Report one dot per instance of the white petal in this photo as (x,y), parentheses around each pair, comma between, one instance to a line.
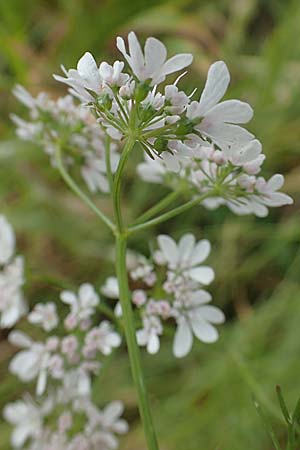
(211,314)
(155,54)
(20,434)
(203,274)
(68,297)
(251,151)
(142,337)
(41,382)
(177,62)
(203,330)
(24,365)
(112,411)
(171,161)
(218,78)
(88,70)
(169,248)
(232,111)
(200,297)
(275,182)
(185,246)
(278,199)
(121,46)
(183,339)
(15,412)
(201,252)
(153,343)
(136,54)
(20,339)
(225,134)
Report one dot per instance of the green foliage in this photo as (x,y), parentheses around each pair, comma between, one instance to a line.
(204,401)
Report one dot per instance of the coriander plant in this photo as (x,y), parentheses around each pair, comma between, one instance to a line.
(194,145)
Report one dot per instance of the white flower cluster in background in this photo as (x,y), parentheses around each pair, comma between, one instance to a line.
(172,289)
(64,365)
(63,123)
(12,303)
(51,423)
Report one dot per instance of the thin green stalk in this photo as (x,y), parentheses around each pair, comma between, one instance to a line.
(133,349)
(76,189)
(162,204)
(117,181)
(125,299)
(168,215)
(108,164)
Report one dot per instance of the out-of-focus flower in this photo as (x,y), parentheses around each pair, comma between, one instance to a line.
(45,315)
(83,305)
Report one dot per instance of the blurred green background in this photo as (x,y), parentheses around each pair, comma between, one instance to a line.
(204,401)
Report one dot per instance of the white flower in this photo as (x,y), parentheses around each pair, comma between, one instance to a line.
(103,425)
(219,119)
(187,257)
(26,418)
(153,64)
(30,363)
(247,156)
(12,303)
(7,241)
(113,75)
(45,315)
(82,305)
(149,335)
(102,338)
(194,317)
(178,99)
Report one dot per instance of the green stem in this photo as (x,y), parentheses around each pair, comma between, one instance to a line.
(166,201)
(168,215)
(117,181)
(108,164)
(76,189)
(133,349)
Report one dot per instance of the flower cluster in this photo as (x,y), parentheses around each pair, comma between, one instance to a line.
(171,289)
(199,142)
(67,364)
(66,125)
(12,303)
(50,423)
(78,350)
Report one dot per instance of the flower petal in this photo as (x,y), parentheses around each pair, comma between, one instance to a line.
(275,182)
(203,330)
(183,339)
(211,314)
(88,70)
(218,78)
(201,252)
(185,246)
(177,62)
(225,134)
(232,111)
(169,248)
(202,274)
(155,54)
